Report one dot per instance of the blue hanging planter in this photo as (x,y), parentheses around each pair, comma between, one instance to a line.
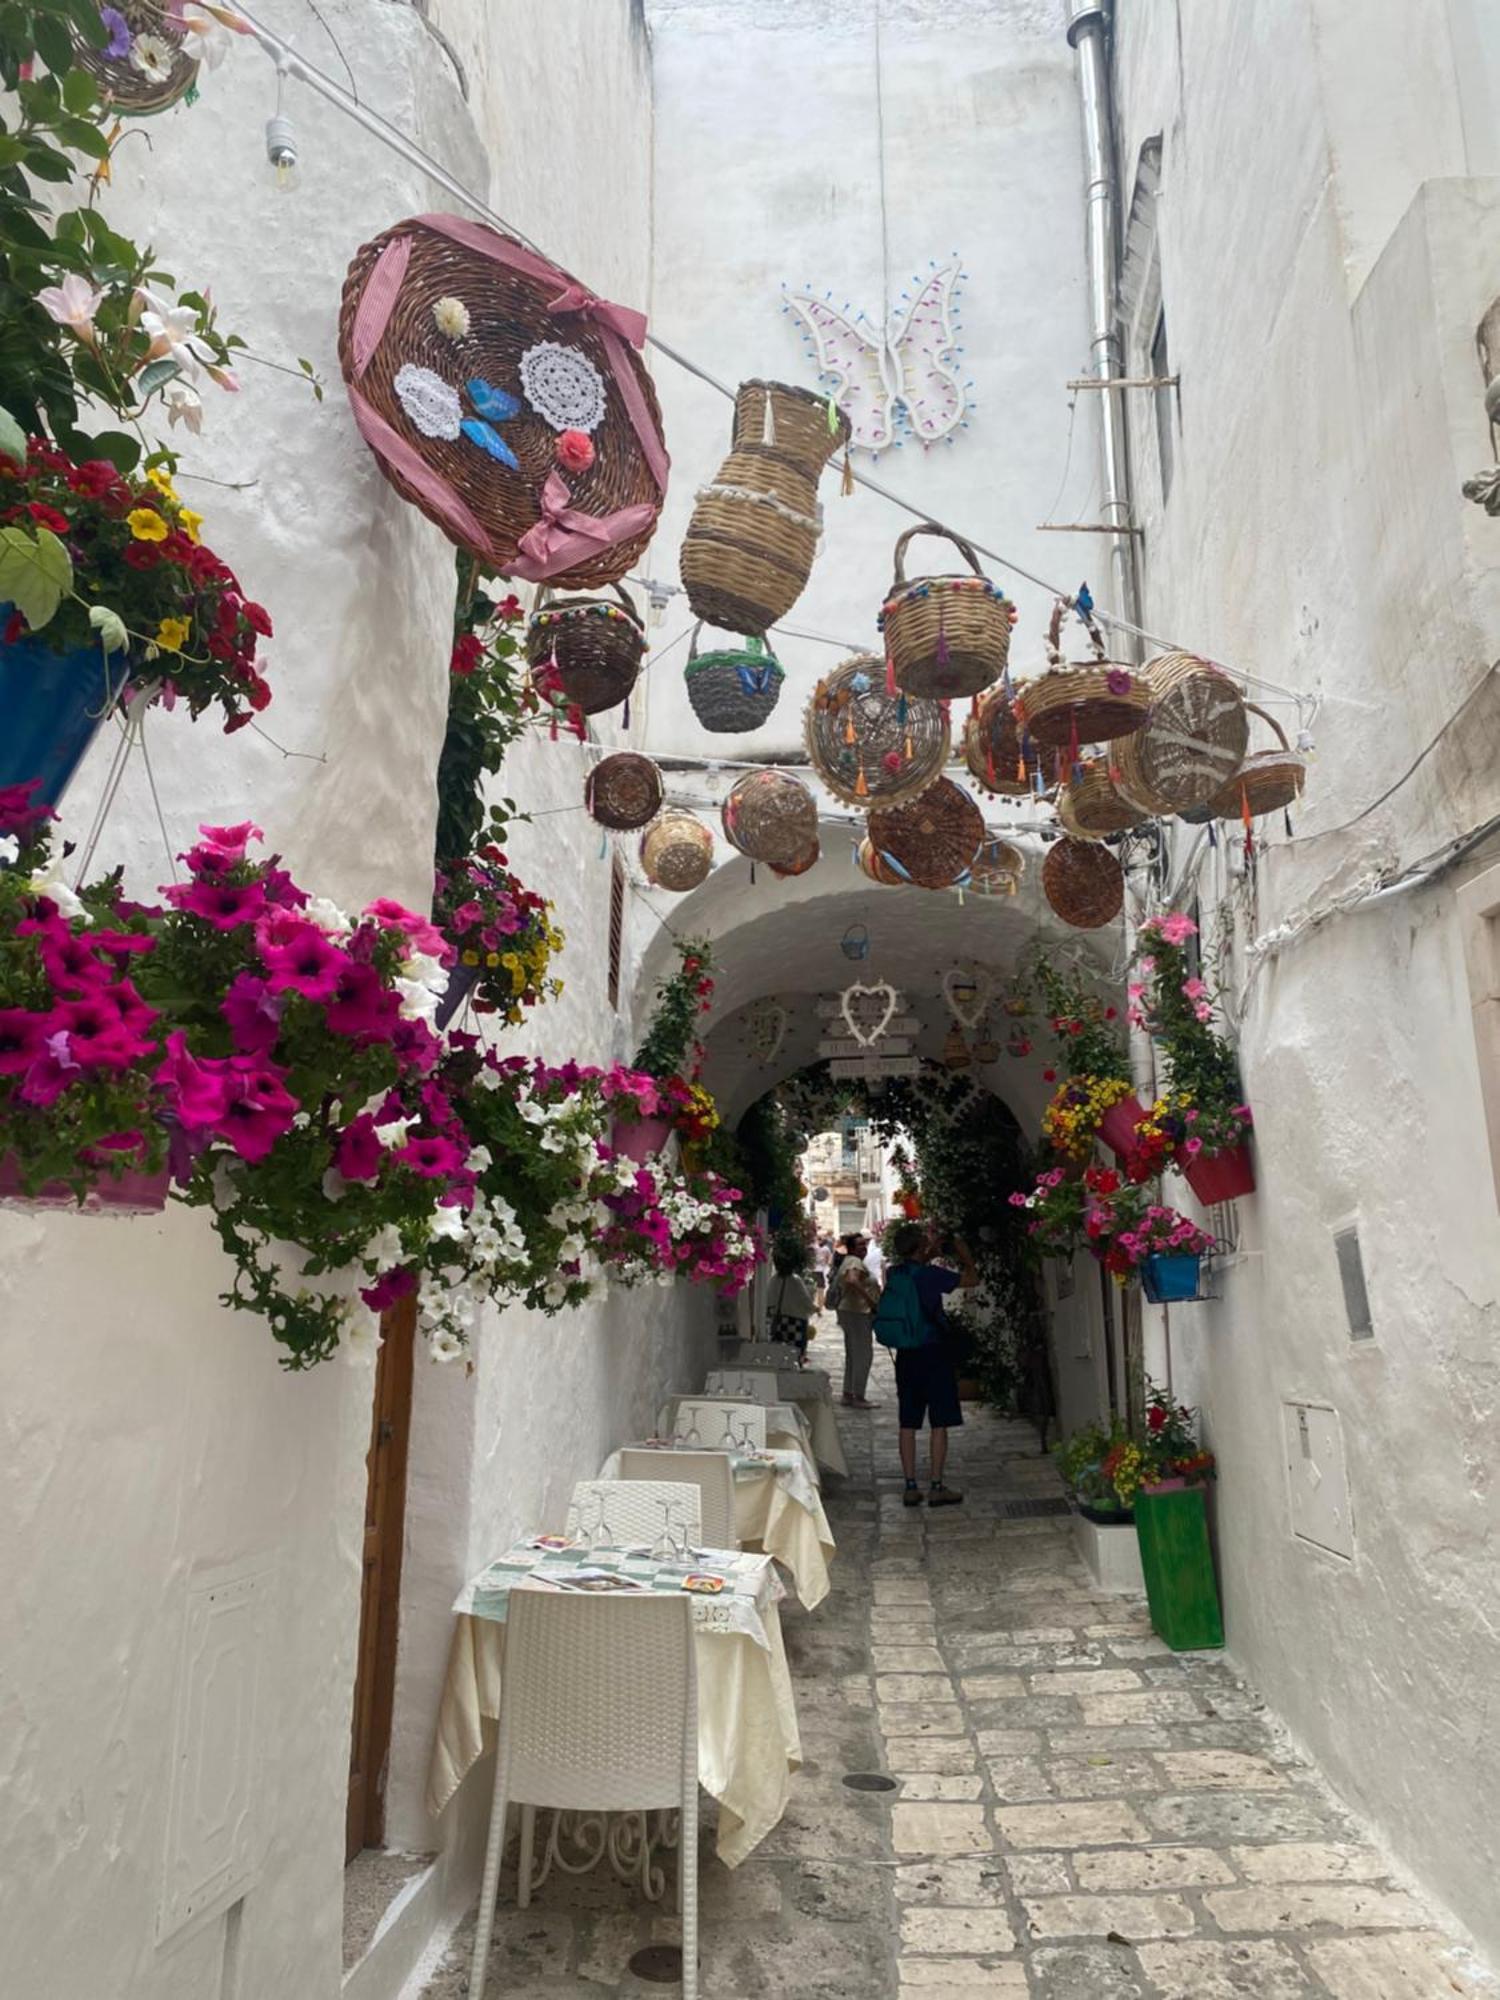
(51,704)
(1170,1280)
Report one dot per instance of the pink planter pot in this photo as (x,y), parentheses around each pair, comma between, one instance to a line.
(639,1138)
(1117,1126)
(1221,1176)
(133,1193)
(1166,1486)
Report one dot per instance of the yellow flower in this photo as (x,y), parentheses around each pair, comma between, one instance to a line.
(162,481)
(190,523)
(171,633)
(146,524)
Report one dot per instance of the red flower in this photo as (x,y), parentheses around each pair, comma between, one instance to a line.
(48,517)
(15,629)
(258,619)
(575,450)
(1155,1418)
(1049,1076)
(468,654)
(143,555)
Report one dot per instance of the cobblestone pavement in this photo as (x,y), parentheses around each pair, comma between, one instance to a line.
(1079,1814)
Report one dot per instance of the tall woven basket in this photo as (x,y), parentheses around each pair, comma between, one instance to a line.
(932,840)
(945,635)
(1268,781)
(998,752)
(1083,883)
(734,689)
(791,422)
(1192,741)
(623,791)
(868,746)
(1091,702)
(677,852)
(1092,805)
(771,817)
(504,400)
(595,647)
(751,541)
(124,85)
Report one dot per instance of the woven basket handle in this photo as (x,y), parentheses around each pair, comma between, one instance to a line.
(539,602)
(625,599)
(1276,729)
(932,528)
(1053,642)
(752,644)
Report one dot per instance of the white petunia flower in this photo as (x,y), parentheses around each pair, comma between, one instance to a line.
(445,1344)
(418,1001)
(393,1133)
(448,1224)
(327,916)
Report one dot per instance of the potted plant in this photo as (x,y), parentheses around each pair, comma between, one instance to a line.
(664,1225)
(1176,1006)
(501,936)
(1103,1526)
(1095,1098)
(668,1050)
(1163,1477)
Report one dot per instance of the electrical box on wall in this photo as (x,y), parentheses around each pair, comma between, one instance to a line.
(1317,1486)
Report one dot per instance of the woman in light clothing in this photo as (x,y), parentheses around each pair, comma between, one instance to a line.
(855,1300)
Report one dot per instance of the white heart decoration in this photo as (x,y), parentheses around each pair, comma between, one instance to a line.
(768,1029)
(868,1010)
(967,995)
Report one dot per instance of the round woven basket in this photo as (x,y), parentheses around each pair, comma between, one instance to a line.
(468,358)
(751,541)
(1267,781)
(596,646)
(877,869)
(794,423)
(932,840)
(1092,806)
(871,747)
(1192,741)
(771,817)
(125,88)
(800,862)
(734,689)
(1083,883)
(945,635)
(623,791)
(998,868)
(677,851)
(1090,702)
(1000,756)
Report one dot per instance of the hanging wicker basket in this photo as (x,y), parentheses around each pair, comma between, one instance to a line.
(623,791)
(596,647)
(1093,702)
(807,857)
(1268,781)
(733,690)
(504,400)
(945,636)
(871,747)
(751,541)
(1092,806)
(772,818)
(139,87)
(998,868)
(932,841)
(877,869)
(677,852)
(1192,741)
(1083,883)
(794,423)
(999,754)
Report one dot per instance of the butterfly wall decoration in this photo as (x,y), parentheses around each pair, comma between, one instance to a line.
(906,378)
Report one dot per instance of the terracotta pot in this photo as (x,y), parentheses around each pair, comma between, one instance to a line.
(132,1193)
(1117,1126)
(639,1138)
(1221,1176)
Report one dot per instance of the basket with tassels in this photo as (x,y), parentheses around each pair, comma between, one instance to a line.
(623,791)
(1192,741)
(998,752)
(997,869)
(801,427)
(1091,805)
(733,689)
(878,869)
(594,647)
(771,817)
(945,636)
(1268,781)
(677,851)
(1083,883)
(931,840)
(871,746)
(1072,704)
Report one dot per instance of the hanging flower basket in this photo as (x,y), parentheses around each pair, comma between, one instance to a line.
(1117,1126)
(595,647)
(1171,1280)
(640,1138)
(932,841)
(1000,756)
(771,817)
(1094,702)
(1268,781)
(133,1192)
(1083,883)
(1192,741)
(1225,1176)
(461,982)
(53,704)
(144,66)
(733,690)
(623,791)
(869,746)
(793,423)
(504,400)
(677,852)
(1092,806)
(945,635)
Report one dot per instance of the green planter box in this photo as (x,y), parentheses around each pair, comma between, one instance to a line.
(1171,1526)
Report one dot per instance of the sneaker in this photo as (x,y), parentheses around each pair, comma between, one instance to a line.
(912,1497)
(859,1403)
(944,1496)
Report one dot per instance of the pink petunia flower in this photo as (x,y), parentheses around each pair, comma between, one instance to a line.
(360,1152)
(23,1039)
(225,905)
(434,1159)
(306,962)
(424,936)
(196,1089)
(253,1013)
(388,1288)
(257,1109)
(361,1007)
(52,1072)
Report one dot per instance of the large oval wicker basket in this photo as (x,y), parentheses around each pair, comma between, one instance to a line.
(751,541)
(771,817)
(999,754)
(998,868)
(1083,883)
(868,746)
(945,636)
(878,869)
(1091,702)
(468,358)
(677,852)
(932,840)
(623,791)
(734,689)
(1267,781)
(1192,741)
(129,86)
(594,646)
(794,423)
(1092,806)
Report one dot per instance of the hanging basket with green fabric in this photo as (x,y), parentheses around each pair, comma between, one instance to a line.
(733,691)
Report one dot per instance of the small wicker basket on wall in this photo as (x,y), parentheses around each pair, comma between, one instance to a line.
(999,754)
(677,852)
(595,646)
(932,840)
(123,86)
(1083,883)
(868,746)
(1192,741)
(1073,704)
(623,791)
(945,636)
(734,689)
(771,817)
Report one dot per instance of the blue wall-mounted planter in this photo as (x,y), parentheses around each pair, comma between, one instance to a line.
(1168,1280)
(50,706)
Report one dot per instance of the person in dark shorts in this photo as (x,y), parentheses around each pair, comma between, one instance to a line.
(926,1384)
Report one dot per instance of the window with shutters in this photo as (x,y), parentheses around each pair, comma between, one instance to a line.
(616,928)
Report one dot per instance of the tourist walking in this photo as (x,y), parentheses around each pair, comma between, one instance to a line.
(822,1270)
(790,1307)
(913,1321)
(855,1296)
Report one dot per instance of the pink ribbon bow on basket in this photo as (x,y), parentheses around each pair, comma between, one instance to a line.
(623,320)
(564,536)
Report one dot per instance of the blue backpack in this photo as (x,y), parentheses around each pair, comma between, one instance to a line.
(899,1319)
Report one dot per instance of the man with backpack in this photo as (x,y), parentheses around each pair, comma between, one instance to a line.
(911,1320)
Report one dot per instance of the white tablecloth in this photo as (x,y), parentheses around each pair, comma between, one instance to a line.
(747,1722)
(787,1426)
(809,1388)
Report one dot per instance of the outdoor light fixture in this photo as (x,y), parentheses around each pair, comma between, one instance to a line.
(281,140)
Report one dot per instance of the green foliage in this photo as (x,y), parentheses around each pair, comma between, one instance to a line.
(671,1037)
(1177,1009)
(35,570)
(1089,1042)
(488,707)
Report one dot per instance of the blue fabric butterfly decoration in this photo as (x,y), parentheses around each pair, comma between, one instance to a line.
(497,405)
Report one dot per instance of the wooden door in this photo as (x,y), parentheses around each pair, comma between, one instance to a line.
(380,1593)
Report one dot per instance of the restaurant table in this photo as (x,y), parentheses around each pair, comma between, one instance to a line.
(747,1721)
(808,1390)
(787,1426)
(776,1506)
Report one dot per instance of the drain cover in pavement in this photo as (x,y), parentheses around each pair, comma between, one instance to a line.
(1027,1510)
(660,1963)
(869,1781)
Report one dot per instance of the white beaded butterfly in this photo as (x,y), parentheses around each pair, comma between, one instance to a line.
(907,374)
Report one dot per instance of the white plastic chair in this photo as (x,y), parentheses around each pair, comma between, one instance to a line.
(628,1510)
(720,1426)
(598,1713)
(710,1472)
